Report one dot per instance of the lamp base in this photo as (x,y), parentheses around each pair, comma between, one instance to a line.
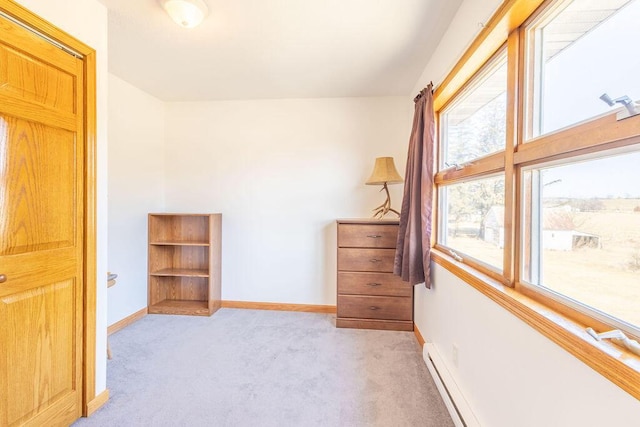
(380,211)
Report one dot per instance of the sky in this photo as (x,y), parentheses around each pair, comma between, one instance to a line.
(609,177)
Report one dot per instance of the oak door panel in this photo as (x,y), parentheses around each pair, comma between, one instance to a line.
(46,314)
(39,171)
(41,230)
(33,80)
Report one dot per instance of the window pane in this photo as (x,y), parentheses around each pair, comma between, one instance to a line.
(586,50)
(472,222)
(475,124)
(582,238)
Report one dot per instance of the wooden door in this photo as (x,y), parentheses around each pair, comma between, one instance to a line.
(41,230)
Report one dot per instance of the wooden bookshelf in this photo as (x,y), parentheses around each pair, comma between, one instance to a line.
(184,263)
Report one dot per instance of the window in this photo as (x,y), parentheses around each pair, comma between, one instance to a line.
(475,124)
(538,175)
(471,197)
(579,230)
(582,235)
(473,219)
(578,54)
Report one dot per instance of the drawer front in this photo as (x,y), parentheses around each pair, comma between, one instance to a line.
(367,235)
(385,284)
(375,307)
(352,259)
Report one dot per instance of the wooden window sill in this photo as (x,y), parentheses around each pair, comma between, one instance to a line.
(613,362)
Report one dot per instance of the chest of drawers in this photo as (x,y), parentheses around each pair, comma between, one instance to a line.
(369,295)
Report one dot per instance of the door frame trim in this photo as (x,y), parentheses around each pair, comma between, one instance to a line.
(49,30)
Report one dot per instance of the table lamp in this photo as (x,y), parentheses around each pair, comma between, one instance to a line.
(384,172)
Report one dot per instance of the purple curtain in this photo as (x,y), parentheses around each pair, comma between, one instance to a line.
(413,248)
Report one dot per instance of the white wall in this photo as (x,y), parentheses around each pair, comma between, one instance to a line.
(510,374)
(466,24)
(136,188)
(87,21)
(281,172)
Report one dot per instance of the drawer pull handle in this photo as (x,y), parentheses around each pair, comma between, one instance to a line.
(373,307)
(374,284)
(374,236)
(374,260)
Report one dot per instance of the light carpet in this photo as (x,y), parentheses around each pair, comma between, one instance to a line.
(265,368)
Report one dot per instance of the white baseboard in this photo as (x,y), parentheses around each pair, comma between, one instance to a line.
(459,409)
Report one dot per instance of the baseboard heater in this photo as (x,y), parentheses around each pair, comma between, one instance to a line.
(459,409)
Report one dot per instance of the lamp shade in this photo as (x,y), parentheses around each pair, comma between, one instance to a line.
(186,13)
(384,171)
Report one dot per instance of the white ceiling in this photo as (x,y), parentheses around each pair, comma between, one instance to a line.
(249,49)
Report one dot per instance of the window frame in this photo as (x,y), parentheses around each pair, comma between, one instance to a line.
(577,309)
(486,268)
(483,162)
(478,168)
(555,317)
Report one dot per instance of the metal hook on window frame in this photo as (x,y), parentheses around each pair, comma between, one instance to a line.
(455,255)
(617,336)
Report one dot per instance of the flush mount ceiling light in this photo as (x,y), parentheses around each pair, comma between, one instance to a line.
(186,13)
